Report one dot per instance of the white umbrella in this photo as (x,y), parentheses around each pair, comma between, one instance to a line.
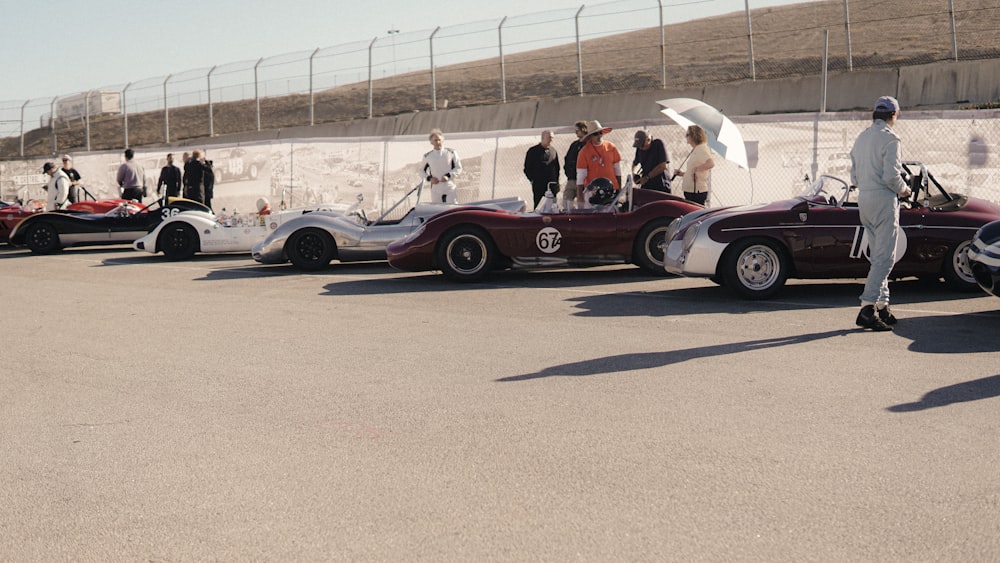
(723,136)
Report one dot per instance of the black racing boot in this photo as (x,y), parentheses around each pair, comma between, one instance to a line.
(886,316)
(868,319)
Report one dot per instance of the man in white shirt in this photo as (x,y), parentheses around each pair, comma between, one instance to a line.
(57,188)
(440,167)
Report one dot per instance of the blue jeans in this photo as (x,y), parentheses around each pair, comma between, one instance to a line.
(879,210)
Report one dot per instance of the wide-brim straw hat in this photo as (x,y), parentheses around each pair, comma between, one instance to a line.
(595,127)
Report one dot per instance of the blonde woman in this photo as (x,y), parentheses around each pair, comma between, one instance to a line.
(698,172)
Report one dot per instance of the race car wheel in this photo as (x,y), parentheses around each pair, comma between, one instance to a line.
(650,246)
(957,269)
(311,249)
(466,254)
(179,241)
(755,268)
(42,238)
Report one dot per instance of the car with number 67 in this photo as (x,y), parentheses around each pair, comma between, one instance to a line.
(466,245)
(754,249)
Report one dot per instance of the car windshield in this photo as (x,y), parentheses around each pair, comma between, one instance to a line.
(826,190)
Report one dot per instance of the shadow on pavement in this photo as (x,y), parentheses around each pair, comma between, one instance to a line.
(985,388)
(629,362)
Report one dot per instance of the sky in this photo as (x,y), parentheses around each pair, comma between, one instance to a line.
(60,47)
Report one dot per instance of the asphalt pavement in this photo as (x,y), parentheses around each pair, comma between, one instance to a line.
(217,409)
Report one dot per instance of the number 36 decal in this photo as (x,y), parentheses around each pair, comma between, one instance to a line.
(548,240)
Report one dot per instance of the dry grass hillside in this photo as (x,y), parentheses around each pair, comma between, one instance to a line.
(787,41)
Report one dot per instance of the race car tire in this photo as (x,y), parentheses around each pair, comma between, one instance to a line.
(755,268)
(650,246)
(311,249)
(466,254)
(42,238)
(179,241)
(958,270)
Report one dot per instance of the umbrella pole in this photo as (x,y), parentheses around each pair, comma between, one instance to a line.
(682,164)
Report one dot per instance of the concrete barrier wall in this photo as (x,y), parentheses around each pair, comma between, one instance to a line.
(942,85)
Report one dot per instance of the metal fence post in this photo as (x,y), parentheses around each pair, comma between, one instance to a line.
(211,124)
(125,113)
(826,62)
(503,77)
(166,111)
(312,101)
(579,52)
(52,124)
(954,37)
(370,85)
(256,90)
(847,34)
(753,71)
(434,104)
(25,104)
(663,48)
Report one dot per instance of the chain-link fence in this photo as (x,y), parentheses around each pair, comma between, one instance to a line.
(619,46)
(961,148)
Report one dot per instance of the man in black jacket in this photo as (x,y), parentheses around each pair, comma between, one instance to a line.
(569,165)
(541,166)
(170,178)
(194,173)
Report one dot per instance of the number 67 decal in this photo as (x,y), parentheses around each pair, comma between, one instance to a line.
(548,240)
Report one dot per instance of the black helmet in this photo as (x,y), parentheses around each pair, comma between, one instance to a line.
(600,191)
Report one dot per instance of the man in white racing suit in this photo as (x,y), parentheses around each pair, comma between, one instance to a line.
(440,167)
(57,188)
(875,170)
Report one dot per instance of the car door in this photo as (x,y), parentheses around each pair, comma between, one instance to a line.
(831,244)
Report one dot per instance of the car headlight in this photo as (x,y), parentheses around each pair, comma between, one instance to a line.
(691,235)
(672,230)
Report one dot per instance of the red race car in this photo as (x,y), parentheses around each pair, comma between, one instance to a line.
(467,244)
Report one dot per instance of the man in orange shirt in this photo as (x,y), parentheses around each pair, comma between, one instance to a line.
(597,159)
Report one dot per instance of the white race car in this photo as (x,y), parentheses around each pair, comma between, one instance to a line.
(182,235)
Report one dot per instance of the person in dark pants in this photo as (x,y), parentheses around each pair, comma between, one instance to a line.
(131,178)
(170,179)
(208,180)
(650,163)
(194,175)
(541,167)
(74,179)
(569,165)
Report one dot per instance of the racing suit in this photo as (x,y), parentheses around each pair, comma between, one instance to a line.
(444,165)
(57,190)
(875,170)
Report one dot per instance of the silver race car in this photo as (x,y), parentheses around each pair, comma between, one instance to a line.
(311,241)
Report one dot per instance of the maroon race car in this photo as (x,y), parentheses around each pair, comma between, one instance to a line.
(467,244)
(753,249)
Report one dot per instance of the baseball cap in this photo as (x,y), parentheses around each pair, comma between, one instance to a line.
(640,138)
(47,166)
(67,157)
(887,104)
